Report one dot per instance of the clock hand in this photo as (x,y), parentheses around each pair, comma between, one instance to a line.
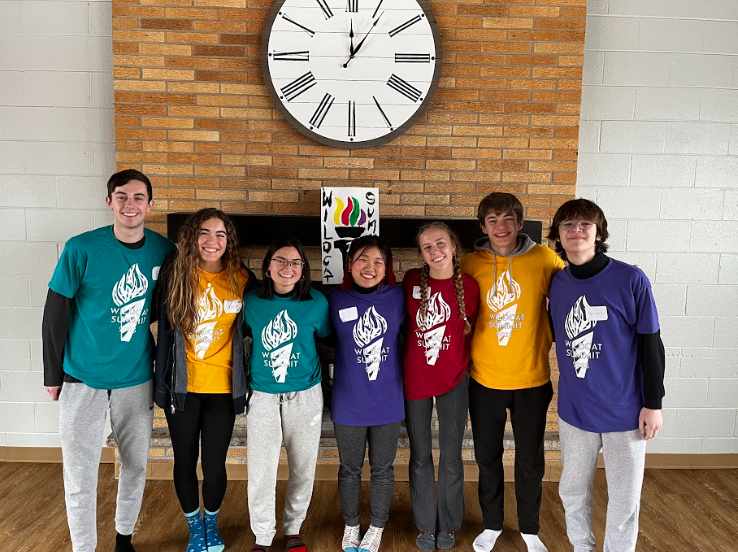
(356,50)
(367,34)
(351,36)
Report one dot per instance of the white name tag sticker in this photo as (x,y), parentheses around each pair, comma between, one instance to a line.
(416,292)
(155,273)
(232,306)
(349,314)
(597,314)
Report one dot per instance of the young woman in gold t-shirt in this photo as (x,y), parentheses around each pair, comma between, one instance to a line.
(201,382)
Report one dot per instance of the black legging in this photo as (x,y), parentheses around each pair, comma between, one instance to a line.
(210,418)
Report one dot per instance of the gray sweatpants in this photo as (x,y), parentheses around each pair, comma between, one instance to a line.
(296,418)
(82,412)
(625,457)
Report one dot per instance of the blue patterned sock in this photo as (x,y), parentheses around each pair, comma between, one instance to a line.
(197,532)
(213,538)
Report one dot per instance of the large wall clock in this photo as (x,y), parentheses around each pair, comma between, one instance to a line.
(351,73)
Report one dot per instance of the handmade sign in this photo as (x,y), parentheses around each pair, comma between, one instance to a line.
(347,213)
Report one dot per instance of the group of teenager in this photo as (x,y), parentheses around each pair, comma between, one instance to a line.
(470,335)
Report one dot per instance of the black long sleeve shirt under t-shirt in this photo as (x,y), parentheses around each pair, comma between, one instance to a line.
(55,329)
(650,346)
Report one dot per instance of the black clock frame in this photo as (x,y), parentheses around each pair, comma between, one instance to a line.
(297,125)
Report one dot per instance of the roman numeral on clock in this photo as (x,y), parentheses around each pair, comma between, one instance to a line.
(352,6)
(303,27)
(292,56)
(323,107)
(409,23)
(326,8)
(384,115)
(404,88)
(412,58)
(351,119)
(299,86)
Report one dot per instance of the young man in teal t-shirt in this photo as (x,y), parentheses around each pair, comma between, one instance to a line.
(98,355)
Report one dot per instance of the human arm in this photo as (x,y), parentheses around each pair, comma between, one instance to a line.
(652,358)
(54,331)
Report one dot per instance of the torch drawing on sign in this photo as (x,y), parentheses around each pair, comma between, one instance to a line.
(279,331)
(437,312)
(371,326)
(209,308)
(133,284)
(502,294)
(349,220)
(576,323)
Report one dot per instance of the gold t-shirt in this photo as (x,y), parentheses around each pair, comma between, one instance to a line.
(512,337)
(210,348)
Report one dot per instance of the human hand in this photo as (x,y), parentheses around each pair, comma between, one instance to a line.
(650,423)
(54,392)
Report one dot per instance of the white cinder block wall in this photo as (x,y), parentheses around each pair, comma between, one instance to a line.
(56,152)
(659,152)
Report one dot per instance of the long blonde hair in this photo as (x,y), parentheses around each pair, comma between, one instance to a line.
(458,280)
(185,277)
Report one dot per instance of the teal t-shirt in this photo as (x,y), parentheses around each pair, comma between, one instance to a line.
(284,358)
(109,345)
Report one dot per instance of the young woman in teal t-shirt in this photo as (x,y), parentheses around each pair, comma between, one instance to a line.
(285,316)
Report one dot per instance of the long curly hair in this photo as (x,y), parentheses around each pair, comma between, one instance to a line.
(458,280)
(185,277)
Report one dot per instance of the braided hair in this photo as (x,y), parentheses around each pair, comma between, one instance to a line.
(458,280)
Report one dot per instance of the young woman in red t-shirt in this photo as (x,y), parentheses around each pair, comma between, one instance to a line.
(442,304)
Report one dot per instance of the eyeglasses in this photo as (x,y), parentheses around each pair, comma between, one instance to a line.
(284,263)
(583,225)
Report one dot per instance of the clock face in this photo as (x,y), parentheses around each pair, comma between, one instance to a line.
(351,73)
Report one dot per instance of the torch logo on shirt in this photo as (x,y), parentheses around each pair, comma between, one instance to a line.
(209,309)
(277,339)
(581,349)
(503,317)
(132,285)
(437,313)
(369,333)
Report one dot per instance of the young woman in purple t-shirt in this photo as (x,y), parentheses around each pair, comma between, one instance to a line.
(367,405)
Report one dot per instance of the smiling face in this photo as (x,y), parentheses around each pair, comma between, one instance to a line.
(579,239)
(284,270)
(368,267)
(438,252)
(130,205)
(502,230)
(211,245)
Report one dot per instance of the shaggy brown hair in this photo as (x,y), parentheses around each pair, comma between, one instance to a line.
(499,203)
(579,209)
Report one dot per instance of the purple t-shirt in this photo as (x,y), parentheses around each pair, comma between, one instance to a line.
(596,321)
(367,372)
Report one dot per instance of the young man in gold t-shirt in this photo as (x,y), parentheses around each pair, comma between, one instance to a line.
(509,368)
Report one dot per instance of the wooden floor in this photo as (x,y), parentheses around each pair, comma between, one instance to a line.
(682,511)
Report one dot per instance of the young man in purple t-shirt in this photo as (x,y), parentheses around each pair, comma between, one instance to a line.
(611,375)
